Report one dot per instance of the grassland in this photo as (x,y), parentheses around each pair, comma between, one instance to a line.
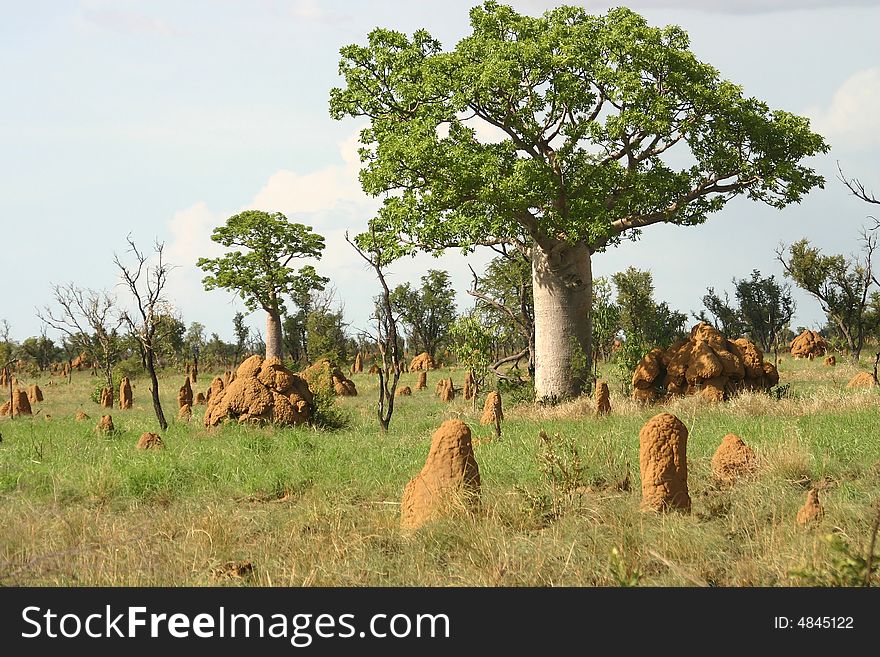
(308,507)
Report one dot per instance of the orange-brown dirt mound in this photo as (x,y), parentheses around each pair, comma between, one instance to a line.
(831,360)
(149,441)
(468,385)
(447,390)
(185,394)
(732,459)
(20,403)
(707,364)
(862,380)
(449,480)
(358,366)
(105,426)
(808,344)
(185,413)
(423,381)
(812,510)
(374,369)
(80,416)
(263,391)
(405,391)
(125,394)
(217,386)
(106,398)
(492,408)
(663,464)
(422,362)
(603,398)
(200,399)
(34,394)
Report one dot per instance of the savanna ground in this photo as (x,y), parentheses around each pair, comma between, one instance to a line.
(309,507)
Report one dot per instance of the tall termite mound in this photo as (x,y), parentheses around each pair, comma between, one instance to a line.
(663,464)
(449,480)
(603,398)
(185,395)
(125,401)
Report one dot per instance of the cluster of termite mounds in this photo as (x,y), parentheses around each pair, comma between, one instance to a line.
(809,344)
(449,482)
(705,364)
(261,391)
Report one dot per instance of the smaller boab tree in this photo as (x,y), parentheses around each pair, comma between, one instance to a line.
(386,335)
(261,275)
(147,284)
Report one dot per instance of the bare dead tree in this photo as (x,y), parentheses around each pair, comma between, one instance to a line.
(89,319)
(386,338)
(856,187)
(147,284)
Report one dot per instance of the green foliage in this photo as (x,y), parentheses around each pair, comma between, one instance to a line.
(427,312)
(606,321)
(326,413)
(131,367)
(471,343)
(724,316)
(844,567)
(642,319)
(506,303)
(325,331)
(241,333)
(645,323)
(841,285)
(516,392)
(622,573)
(260,274)
(609,92)
(39,349)
(169,337)
(766,307)
(95,395)
(562,475)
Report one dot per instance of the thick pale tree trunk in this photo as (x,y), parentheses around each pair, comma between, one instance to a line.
(562,283)
(273,335)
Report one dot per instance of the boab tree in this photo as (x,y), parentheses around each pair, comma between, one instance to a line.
(261,275)
(593,114)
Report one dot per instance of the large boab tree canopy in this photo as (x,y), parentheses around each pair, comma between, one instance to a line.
(606,125)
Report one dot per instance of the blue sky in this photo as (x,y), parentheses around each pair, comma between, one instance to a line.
(161,119)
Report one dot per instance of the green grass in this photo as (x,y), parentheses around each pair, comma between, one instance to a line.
(310,507)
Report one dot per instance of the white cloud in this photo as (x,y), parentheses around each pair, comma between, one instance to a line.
(293,193)
(852,120)
(125,22)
